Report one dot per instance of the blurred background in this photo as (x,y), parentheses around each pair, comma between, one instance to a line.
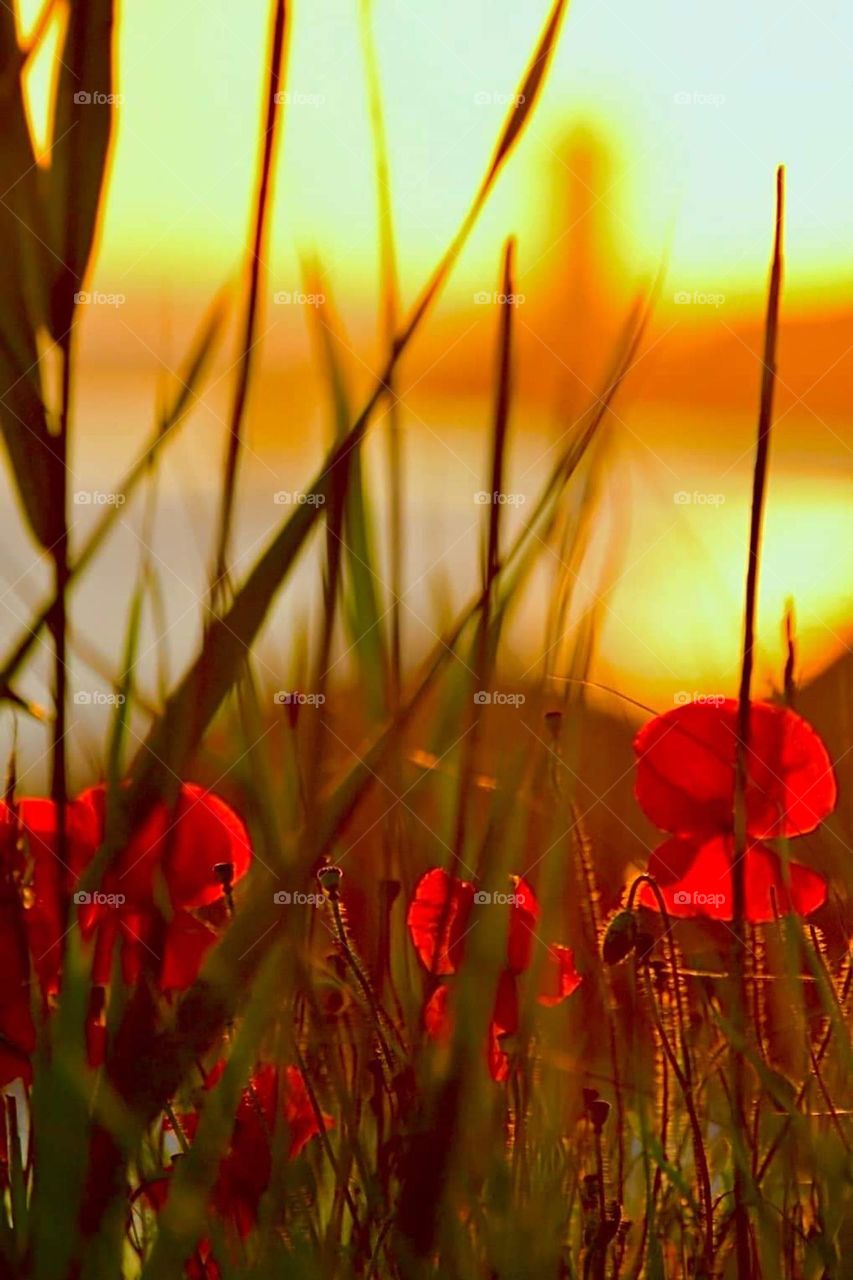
(655,141)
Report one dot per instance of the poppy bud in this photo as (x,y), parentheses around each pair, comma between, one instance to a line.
(598,1113)
(224,872)
(620,937)
(330,879)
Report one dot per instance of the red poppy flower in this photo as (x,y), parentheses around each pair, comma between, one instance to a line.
(33,904)
(695,878)
(185,944)
(202,832)
(245,1170)
(439,919)
(686,785)
(31,856)
(183,843)
(36,890)
(17,1032)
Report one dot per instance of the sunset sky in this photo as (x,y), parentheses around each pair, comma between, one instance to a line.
(695,112)
(700,108)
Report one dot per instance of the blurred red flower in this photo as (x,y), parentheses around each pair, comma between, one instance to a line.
(245,1170)
(685,783)
(182,843)
(176,849)
(438,919)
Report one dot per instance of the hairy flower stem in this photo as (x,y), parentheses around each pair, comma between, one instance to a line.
(321,1131)
(600,1248)
(363,982)
(594,922)
(683,1074)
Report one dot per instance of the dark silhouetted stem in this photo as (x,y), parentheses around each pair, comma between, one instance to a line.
(238,408)
(759,485)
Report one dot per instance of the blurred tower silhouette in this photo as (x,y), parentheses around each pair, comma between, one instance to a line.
(581,269)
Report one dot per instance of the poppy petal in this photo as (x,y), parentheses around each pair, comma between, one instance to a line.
(505,1014)
(686,770)
(185,843)
(438,918)
(523,918)
(695,880)
(498,1060)
(438,1022)
(559,978)
(17,1032)
(188,941)
(36,857)
(207,832)
(299,1112)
